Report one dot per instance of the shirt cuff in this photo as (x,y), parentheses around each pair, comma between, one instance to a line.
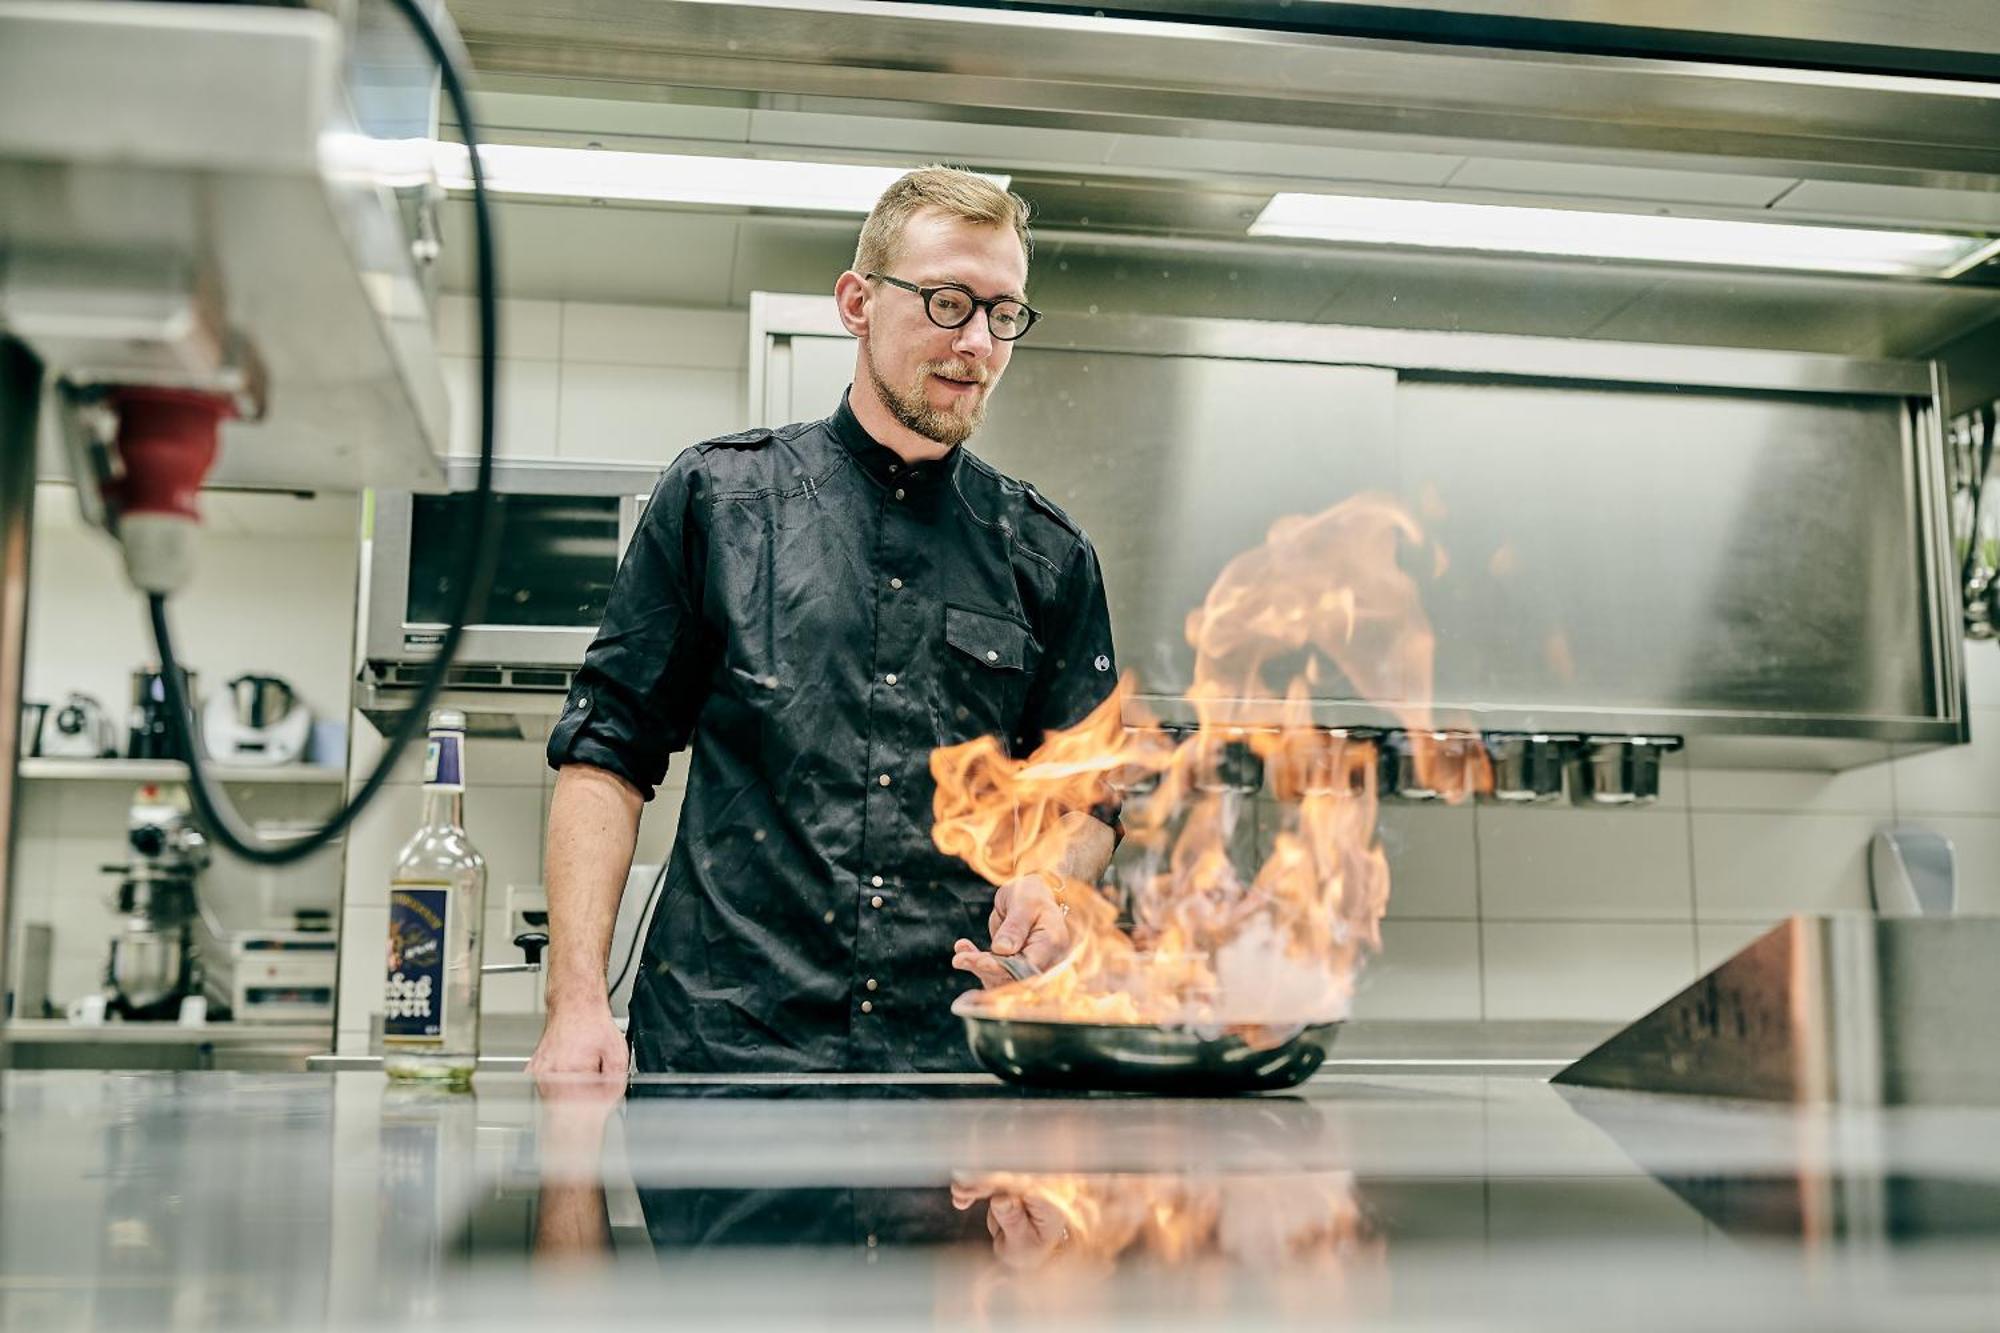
(597,729)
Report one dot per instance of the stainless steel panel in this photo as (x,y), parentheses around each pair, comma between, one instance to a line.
(1628,558)
(1847,1008)
(1639,548)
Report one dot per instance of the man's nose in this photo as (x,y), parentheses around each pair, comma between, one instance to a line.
(974,338)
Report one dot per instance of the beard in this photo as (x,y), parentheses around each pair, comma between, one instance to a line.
(949,426)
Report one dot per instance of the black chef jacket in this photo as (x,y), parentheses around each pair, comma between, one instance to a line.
(815,616)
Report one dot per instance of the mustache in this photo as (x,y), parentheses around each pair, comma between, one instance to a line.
(958,370)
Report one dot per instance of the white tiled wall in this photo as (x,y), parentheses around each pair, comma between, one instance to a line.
(1433,862)
(1428,969)
(1582,969)
(1754,866)
(600,382)
(1556,864)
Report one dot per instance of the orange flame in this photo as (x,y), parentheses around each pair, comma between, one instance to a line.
(1210,945)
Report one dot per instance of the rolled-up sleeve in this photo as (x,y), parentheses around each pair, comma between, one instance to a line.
(1079,667)
(635,701)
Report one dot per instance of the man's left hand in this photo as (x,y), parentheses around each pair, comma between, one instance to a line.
(1027,922)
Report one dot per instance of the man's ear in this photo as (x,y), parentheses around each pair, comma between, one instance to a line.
(850,295)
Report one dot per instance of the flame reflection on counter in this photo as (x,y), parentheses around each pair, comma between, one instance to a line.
(1055,1235)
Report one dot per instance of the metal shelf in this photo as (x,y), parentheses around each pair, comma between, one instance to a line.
(173,770)
(38,1031)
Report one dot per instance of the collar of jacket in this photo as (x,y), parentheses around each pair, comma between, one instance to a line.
(882,463)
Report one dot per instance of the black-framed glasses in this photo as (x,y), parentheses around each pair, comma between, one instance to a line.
(950,307)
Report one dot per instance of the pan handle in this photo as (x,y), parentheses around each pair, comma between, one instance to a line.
(1017,967)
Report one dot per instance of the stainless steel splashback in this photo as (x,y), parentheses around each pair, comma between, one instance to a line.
(1742,548)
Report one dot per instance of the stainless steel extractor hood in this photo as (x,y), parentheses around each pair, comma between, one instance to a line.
(1683,99)
(1150,137)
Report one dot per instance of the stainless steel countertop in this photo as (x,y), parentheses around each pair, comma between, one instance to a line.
(223,1201)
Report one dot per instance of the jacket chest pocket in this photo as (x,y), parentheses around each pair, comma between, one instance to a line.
(988,661)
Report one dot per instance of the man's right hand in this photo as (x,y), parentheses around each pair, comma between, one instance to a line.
(581,1041)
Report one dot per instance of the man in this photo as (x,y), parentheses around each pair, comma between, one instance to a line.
(815,609)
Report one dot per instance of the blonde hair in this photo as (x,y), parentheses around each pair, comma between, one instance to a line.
(960,194)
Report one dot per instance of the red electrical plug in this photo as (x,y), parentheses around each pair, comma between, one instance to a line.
(166,443)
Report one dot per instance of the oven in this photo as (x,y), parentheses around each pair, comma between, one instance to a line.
(564,528)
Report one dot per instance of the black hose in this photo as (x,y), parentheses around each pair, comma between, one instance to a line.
(639,930)
(218,817)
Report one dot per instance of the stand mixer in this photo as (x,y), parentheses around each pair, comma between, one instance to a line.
(153,964)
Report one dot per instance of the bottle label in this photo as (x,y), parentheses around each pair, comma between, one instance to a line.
(413,1012)
(444,761)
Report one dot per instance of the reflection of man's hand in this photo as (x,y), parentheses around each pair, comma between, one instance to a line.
(1027,1228)
(572,1225)
(577,1101)
(597,1091)
(1027,922)
(573,1111)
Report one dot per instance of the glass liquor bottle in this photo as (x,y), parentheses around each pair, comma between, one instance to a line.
(437,897)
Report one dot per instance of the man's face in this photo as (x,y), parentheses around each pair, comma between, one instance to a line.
(936,381)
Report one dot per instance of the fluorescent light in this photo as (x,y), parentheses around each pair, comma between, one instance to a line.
(730,182)
(1427,224)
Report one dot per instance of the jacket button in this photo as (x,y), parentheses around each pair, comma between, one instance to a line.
(876,901)
(882,781)
(992,656)
(895,583)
